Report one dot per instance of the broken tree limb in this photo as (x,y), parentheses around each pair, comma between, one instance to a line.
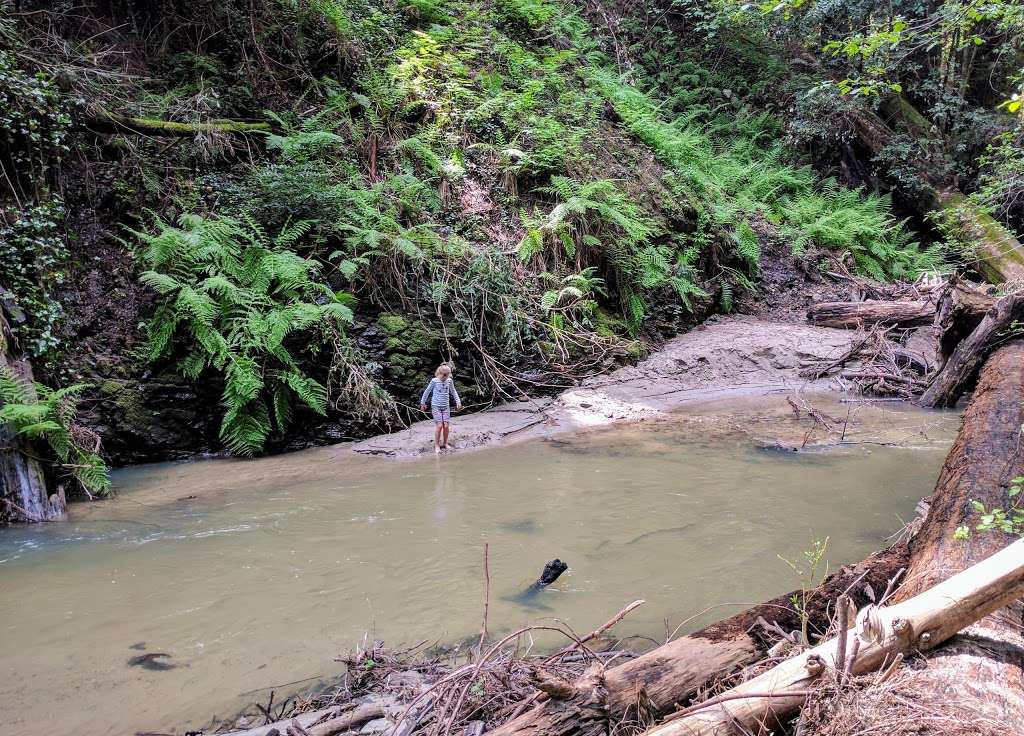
(111,122)
(917,624)
(872,312)
(960,307)
(949,384)
(652,684)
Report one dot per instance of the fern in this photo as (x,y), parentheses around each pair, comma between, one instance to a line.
(49,414)
(232,298)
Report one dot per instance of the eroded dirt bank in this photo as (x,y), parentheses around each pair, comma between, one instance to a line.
(726,356)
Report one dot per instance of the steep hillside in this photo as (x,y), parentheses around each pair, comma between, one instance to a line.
(250,226)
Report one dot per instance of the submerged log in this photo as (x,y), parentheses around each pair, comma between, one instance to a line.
(917,624)
(949,384)
(651,685)
(872,312)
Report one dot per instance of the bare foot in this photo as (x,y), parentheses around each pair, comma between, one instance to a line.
(437,450)
(447,448)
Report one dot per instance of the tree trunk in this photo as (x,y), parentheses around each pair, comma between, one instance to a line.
(872,312)
(984,662)
(23,493)
(651,685)
(949,384)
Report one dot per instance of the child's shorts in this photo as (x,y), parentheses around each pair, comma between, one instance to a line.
(441,415)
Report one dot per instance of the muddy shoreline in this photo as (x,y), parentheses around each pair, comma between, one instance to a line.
(725,357)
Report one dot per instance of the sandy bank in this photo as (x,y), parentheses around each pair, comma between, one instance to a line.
(726,356)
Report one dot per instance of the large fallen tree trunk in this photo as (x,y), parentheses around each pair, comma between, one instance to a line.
(983,663)
(943,594)
(872,312)
(949,384)
(651,685)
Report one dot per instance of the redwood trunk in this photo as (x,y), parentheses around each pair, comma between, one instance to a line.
(983,664)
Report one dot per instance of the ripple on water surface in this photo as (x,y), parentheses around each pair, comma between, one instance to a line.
(203,581)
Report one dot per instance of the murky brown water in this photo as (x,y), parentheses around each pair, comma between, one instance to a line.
(253,574)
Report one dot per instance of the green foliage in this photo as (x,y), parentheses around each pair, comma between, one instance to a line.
(739,178)
(34,122)
(47,414)
(526,15)
(1008,519)
(33,259)
(1001,185)
(236,301)
(813,569)
(861,226)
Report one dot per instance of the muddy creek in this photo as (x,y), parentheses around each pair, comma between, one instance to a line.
(203,585)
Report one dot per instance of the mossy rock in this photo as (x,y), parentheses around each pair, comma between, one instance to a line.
(392,324)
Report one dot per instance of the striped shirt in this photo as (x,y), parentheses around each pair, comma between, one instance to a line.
(440,393)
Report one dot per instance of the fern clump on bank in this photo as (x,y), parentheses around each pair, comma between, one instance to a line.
(232,298)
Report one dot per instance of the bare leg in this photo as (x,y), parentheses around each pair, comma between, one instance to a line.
(437,436)
(445,432)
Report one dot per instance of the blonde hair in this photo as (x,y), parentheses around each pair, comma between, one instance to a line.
(443,371)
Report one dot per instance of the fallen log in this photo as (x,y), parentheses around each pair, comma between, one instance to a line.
(917,624)
(651,685)
(113,123)
(949,384)
(960,307)
(984,662)
(872,312)
(997,254)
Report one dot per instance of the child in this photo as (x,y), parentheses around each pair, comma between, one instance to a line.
(441,390)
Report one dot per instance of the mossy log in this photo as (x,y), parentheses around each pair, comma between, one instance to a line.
(997,254)
(116,123)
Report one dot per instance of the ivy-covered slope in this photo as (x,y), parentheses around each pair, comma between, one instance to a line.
(500,184)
